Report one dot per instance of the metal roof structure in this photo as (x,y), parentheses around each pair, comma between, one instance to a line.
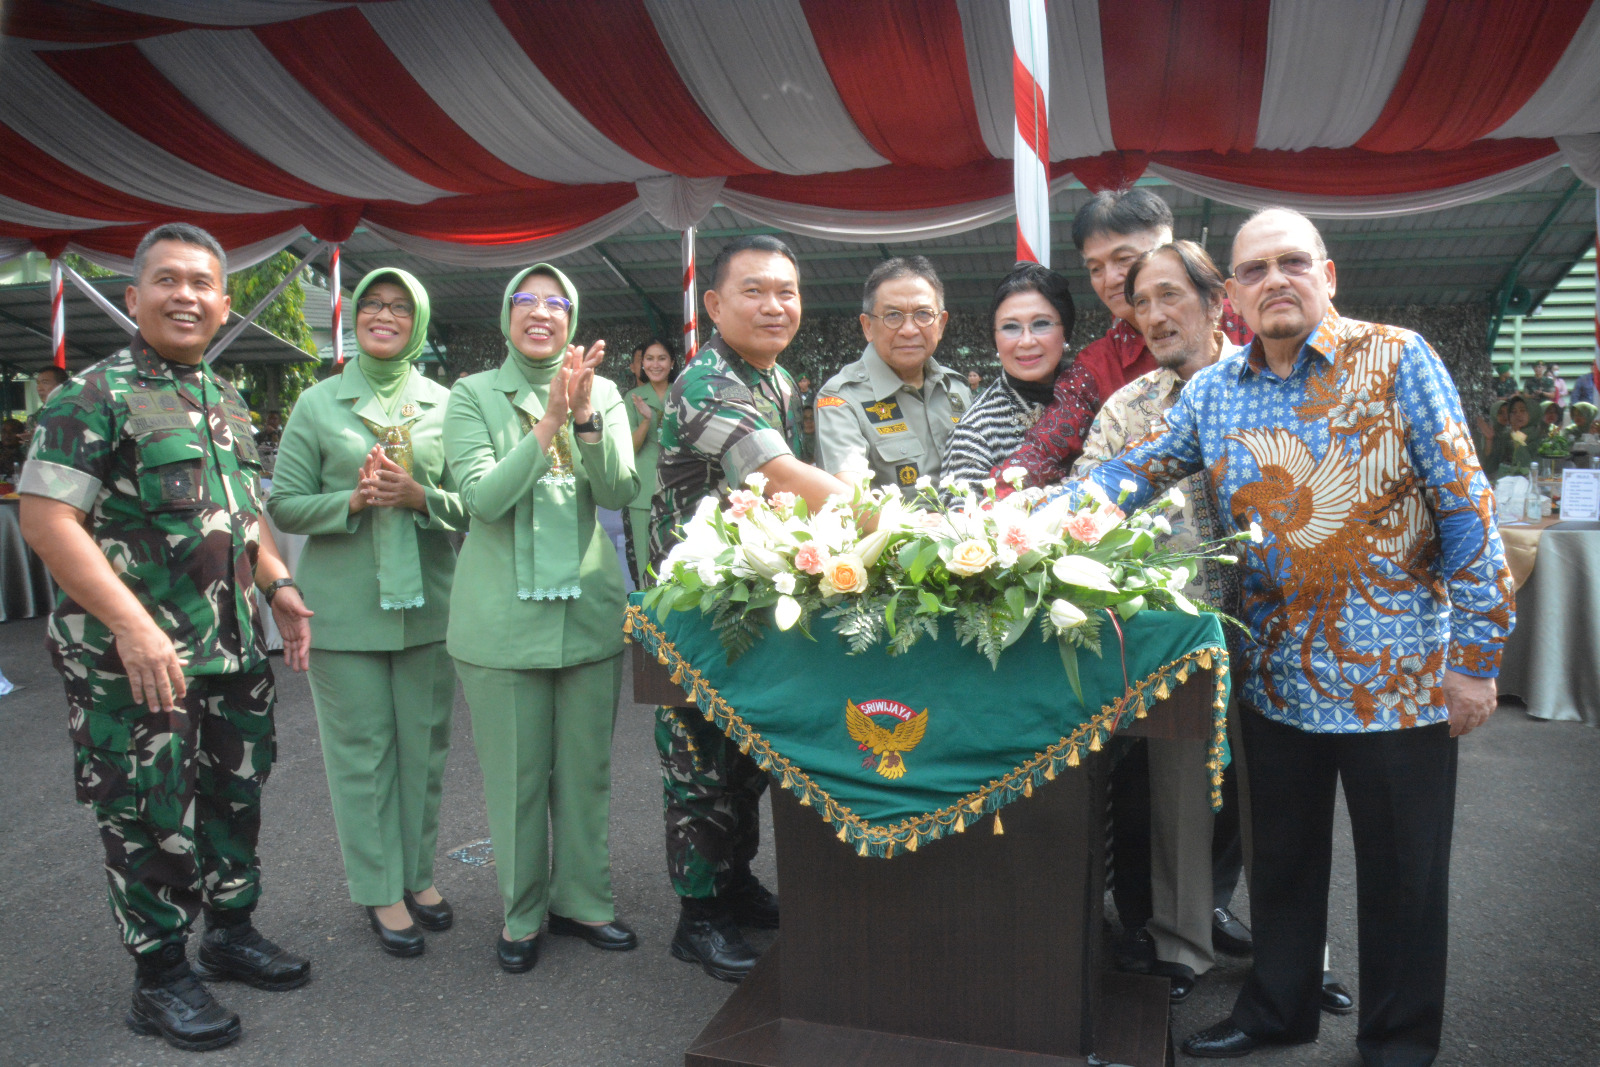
(92,335)
(1515,247)
(1561,330)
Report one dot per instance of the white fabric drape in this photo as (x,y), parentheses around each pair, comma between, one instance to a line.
(238,258)
(868,227)
(1361,207)
(1330,69)
(1583,156)
(986,32)
(1080,117)
(679,203)
(41,106)
(499,97)
(12,247)
(755,71)
(515,255)
(28,215)
(231,77)
(1569,99)
(231,13)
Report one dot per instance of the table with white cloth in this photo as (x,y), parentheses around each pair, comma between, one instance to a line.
(1552,660)
(25,586)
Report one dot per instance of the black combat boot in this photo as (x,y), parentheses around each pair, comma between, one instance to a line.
(169,1000)
(233,950)
(748,902)
(707,935)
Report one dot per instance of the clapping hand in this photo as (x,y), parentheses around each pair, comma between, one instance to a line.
(580,364)
(387,485)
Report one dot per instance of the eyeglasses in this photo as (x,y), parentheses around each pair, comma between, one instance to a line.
(1013,331)
(557,305)
(923,317)
(400,309)
(1294,264)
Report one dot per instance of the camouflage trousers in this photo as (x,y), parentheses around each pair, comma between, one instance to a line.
(711,794)
(177,797)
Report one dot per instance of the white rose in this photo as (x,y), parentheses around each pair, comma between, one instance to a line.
(707,569)
(757,481)
(1064,615)
(924,482)
(784,583)
(1014,476)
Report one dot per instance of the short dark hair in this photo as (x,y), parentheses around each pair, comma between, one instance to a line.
(901,267)
(1121,211)
(1034,278)
(54,371)
(1197,264)
(672,375)
(183,233)
(750,242)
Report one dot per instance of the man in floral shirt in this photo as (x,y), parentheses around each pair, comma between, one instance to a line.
(1377,600)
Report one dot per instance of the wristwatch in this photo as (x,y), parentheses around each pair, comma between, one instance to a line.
(593,425)
(272,590)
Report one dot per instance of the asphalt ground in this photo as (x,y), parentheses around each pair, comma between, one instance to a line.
(1523,969)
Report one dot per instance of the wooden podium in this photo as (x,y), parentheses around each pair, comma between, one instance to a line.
(979,950)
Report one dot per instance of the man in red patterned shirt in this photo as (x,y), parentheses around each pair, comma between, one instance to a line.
(1110,231)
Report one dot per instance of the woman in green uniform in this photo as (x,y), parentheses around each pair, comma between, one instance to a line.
(645,404)
(536,633)
(361,470)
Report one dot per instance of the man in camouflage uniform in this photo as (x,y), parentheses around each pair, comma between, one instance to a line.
(142,494)
(732,412)
(892,410)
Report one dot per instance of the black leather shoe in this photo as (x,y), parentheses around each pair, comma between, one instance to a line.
(403,943)
(170,1001)
(517,957)
(1135,951)
(241,954)
(749,903)
(612,936)
(1181,976)
(1229,935)
(1220,1042)
(716,945)
(440,916)
(1335,999)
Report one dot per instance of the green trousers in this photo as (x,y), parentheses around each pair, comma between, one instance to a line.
(544,743)
(638,543)
(385,724)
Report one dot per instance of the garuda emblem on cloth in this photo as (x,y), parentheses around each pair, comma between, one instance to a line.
(888,745)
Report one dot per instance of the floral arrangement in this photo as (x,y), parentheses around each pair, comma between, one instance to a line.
(1555,444)
(888,570)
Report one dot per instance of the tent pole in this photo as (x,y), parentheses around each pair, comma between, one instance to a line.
(58,316)
(691,339)
(337,296)
(100,301)
(1030,156)
(261,305)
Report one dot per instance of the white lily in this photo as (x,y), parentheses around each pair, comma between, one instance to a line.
(786,612)
(1175,497)
(869,548)
(1064,615)
(763,561)
(1255,533)
(1084,573)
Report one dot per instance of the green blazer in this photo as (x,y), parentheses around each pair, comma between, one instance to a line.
(319,464)
(644,460)
(496,464)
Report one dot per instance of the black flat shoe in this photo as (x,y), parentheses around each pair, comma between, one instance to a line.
(611,936)
(1181,976)
(407,942)
(517,957)
(1230,936)
(440,916)
(1335,999)
(241,954)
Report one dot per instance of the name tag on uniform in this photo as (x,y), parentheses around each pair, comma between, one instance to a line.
(894,427)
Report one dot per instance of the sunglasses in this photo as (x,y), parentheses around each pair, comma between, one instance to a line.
(1296,264)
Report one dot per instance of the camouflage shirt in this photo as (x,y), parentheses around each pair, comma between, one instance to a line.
(162,459)
(724,419)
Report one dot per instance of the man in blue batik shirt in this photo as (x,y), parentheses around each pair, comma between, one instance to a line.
(1377,600)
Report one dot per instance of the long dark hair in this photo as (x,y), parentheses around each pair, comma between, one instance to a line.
(672,375)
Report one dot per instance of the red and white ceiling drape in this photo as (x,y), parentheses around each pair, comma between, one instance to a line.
(470,132)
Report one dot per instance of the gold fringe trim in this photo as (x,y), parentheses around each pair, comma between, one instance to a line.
(909,834)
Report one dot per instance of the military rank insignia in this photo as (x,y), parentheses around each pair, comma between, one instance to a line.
(883,410)
(885,744)
(906,474)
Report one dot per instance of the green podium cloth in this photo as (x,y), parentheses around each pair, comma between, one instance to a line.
(897,751)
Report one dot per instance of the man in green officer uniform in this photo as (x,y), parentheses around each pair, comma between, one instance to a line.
(892,410)
(731,413)
(142,494)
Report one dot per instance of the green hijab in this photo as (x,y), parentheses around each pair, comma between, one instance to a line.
(547,561)
(394,531)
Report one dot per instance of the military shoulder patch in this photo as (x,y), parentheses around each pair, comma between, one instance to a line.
(830,401)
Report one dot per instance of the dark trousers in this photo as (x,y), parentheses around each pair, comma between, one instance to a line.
(1400,789)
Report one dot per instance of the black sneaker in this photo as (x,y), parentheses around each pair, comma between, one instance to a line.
(241,954)
(749,903)
(716,945)
(170,1001)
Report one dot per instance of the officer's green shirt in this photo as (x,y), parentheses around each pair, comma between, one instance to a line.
(867,417)
(644,459)
(319,464)
(724,419)
(161,457)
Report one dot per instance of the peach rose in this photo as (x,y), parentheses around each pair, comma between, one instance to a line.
(970,557)
(808,557)
(843,574)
